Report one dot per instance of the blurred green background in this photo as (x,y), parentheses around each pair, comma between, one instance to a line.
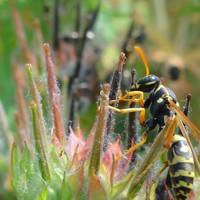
(172,30)
(172,41)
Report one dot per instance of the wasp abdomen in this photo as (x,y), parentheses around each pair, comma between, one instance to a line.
(181,168)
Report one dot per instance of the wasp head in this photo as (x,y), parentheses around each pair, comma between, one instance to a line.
(147,83)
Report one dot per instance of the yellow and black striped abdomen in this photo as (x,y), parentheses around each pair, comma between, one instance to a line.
(181,168)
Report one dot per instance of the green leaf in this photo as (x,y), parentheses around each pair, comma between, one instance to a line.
(25,179)
(122,185)
(39,145)
(43,195)
(15,165)
(72,187)
(99,134)
(37,99)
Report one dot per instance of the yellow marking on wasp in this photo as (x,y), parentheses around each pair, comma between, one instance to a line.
(160,100)
(160,86)
(178,138)
(182,184)
(181,192)
(166,94)
(166,91)
(180,159)
(183,173)
(150,83)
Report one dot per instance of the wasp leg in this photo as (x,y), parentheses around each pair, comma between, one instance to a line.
(142,117)
(140,98)
(128,110)
(150,124)
(134,93)
(126,100)
(161,123)
(128,97)
(136,146)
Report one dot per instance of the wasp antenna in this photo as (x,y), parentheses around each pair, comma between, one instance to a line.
(143,58)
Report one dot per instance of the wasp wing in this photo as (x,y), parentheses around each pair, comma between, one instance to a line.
(185,134)
(185,120)
(170,133)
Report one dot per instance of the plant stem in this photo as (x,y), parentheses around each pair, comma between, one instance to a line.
(37,99)
(127,39)
(80,46)
(115,87)
(99,134)
(132,122)
(21,35)
(39,146)
(21,115)
(54,95)
(56,25)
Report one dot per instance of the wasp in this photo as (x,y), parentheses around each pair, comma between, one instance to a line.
(181,171)
(163,105)
(159,94)
(181,168)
